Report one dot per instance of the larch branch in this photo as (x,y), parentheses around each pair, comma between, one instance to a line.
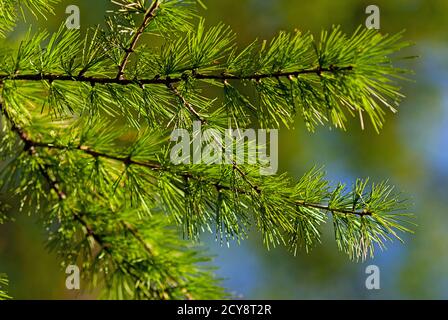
(149,16)
(170,80)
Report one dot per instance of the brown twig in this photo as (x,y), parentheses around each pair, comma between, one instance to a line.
(149,15)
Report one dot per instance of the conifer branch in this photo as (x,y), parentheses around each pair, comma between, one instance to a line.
(185,103)
(171,80)
(149,15)
(362,213)
(30,147)
(254,187)
(123,197)
(192,110)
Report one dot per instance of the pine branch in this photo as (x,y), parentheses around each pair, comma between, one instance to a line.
(170,80)
(149,15)
(294,71)
(260,195)
(192,110)
(328,208)
(185,103)
(30,147)
(114,193)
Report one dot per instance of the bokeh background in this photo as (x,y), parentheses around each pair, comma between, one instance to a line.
(411,151)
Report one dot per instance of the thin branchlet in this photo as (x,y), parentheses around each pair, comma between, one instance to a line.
(149,15)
